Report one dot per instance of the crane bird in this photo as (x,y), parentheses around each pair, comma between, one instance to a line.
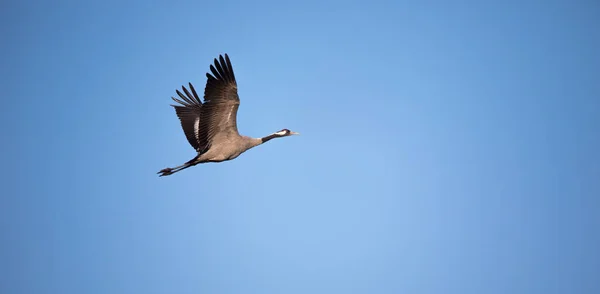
(211,127)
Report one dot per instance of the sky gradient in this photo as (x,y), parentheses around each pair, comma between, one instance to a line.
(444,148)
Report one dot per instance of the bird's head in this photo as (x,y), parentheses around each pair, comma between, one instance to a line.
(285,133)
(280,134)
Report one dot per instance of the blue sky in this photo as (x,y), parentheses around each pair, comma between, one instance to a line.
(445,148)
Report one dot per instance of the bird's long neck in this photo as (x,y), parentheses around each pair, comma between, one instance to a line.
(253,142)
(269,137)
(257,141)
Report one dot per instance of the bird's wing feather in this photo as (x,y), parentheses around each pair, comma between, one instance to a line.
(218,114)
(189,114)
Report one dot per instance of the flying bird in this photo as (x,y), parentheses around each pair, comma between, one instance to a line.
(211,126)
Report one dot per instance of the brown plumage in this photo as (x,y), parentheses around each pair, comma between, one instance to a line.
(211,127)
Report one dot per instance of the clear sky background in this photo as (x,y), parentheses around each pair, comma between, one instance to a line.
(445,147)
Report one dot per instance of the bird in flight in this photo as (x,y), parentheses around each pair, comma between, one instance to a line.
(211,126)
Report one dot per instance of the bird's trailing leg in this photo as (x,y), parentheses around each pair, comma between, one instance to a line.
(171,170)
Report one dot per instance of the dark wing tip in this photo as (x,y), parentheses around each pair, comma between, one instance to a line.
(215,72)
(222,59)
(232,75)
(222,69)
(195,94)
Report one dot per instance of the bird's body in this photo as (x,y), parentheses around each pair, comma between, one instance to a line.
(211,127)
(229,148)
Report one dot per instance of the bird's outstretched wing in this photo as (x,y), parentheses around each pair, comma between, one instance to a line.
(189,114)
(218,115)
(201,122)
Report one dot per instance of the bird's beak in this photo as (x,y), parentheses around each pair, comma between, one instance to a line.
(294,133)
